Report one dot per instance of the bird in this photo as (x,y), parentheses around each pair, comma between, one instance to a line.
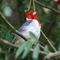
(32,24)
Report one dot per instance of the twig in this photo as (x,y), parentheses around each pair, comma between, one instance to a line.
(41,46)
(28,7)
(49,55)
(15,46)
(42,31)
(34,5)
(8,43)
(44,34)
(48,41)
(12,28)
(48,7)
(41,52)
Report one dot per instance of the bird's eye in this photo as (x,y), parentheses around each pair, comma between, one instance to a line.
(30,14)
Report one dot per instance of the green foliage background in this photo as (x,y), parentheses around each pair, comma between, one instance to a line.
(50,22)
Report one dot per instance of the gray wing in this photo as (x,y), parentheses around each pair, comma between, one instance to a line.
(21,29)
(16,37)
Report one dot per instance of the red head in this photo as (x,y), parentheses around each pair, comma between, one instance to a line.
(31,16)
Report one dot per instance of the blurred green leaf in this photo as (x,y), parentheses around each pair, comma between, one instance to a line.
(33,36)
(9,36)
(44,20)
(59,47)
(28,47)
(54,36)
(3,26)
(50,22)
(20,49)
(46,48)
(36,52)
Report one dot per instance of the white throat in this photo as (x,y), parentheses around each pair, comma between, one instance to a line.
(28,19)
(34,21)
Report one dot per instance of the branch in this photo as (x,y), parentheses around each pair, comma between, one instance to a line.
(15,31)
(12,28)
(49,55)
(8,43)
(18,33)
(48,7)
(15,46)
(41,30)
(44,34)
(48,41)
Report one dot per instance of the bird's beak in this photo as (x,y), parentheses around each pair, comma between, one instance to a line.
(34,13)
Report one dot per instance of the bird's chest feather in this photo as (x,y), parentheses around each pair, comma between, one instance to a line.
(25,29)
(31,27)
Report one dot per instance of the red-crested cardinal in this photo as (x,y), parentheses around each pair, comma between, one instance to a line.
(32,24)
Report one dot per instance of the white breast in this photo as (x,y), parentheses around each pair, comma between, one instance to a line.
(32,27)
(28,27)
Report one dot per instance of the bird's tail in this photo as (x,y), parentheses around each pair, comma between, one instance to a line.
(10,53)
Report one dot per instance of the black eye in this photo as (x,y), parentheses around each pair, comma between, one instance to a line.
(30,14)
